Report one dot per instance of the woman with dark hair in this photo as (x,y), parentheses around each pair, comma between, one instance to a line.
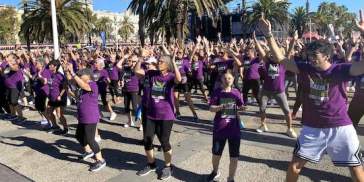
(88,115)
(160,112)
(57,98)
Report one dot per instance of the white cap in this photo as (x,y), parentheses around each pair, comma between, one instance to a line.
(151,60)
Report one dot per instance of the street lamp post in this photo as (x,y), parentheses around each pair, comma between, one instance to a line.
(54,29)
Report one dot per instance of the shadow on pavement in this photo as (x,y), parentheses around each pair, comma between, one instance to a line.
(49,149)
(313,174)
(122,160)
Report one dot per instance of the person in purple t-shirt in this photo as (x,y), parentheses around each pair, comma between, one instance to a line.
(102,79)
(327,127)
(41,88)
(273,87)
(88,115)
(225,102)
(197,78)
(13,81)
(130,88)
(4,107)
(251,78)
(184,87)
(57,98)
(160,111)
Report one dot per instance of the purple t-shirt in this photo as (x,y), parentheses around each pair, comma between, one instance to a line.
(161,101)
(56,84)
(324,95)
(222,66)
(88,106)
(101,76)
(197,69)
(274,77)
(113,71)
(226,122)
(251,69)
(131,81)
(14,79)
(184,67)
(41,88)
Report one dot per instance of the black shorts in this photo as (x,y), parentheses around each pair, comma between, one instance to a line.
(40,102)
(182,88)
(12,96)
(114,88)
(218,145)
(55,104)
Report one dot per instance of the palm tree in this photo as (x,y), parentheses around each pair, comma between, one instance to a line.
(71,18)
(151,11)
(274,11)
(299,20)
(103,24)
(126,29)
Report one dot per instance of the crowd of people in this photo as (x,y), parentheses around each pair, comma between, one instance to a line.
(150,80)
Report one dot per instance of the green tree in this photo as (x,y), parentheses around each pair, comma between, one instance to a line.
(71,19)
(274,11)
(103,24)
(150,11)
(331,13)
(9,25)
(126,28)
(299,20)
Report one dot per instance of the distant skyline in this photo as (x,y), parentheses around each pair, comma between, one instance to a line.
(122,5)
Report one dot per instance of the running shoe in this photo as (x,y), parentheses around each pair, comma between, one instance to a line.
(213,176)
(140,128)
(54,130)
(291,133)
(86,155)
(166,173)
(147,169)
(97,166)
(262,128)
(113,116)
(126,126)
(63,132)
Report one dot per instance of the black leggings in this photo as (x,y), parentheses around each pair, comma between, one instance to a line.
(247,86)
(160,128)
(132,97)
(85,134)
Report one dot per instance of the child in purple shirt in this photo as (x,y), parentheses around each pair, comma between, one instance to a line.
(226,102)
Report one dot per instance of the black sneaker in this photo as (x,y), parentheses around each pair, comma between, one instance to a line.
(54,130)
(63,132)
(166,173)
(213,176)
(97,166)
(147,169)
(86,156)
(231,180)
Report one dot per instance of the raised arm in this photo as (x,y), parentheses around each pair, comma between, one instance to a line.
(357,68)
(139,72)
(277,53)
(259,47)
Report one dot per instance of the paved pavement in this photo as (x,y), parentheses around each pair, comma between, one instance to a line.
(27,153)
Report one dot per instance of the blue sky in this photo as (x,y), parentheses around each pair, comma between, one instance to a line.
(120,5)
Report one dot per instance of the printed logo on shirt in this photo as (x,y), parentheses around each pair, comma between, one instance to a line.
(179,64)
(127,76)
(195,66)
(230,108)
(246,64)
(273,71)
(221,67)
(158,91)
(96,76)
(50,83)
(319,90)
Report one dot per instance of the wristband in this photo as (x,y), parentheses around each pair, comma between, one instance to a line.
(269,35)
(73,74)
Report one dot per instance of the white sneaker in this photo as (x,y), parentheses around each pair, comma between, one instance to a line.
(291,133)
(113,116)
(140,128)
(132,124)
(98,139)
(126,126)
(262,128)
